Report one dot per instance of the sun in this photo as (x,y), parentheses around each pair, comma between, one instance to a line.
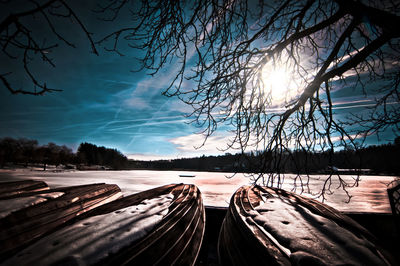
(277,83)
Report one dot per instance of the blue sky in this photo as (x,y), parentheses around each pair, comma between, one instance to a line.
(102,102)
(105,103)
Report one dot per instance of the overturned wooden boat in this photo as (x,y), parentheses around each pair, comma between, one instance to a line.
(8,189)
(394,199)
(29,212)
(164,226)
(275,227)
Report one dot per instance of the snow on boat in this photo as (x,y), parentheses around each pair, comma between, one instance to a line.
(277,227)
(26,215)
(164,226)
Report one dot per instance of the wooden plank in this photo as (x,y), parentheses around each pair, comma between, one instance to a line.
(15,188)
(185,231)
(252,248)
(24,226)
(141,251)
(192,250)
(171,232)
(394,199)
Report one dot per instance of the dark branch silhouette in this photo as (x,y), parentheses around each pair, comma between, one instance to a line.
(222,49)
(226,53)
(21,42)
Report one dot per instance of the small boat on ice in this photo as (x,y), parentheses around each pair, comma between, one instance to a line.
(164,226)
(277,227)
(186,175)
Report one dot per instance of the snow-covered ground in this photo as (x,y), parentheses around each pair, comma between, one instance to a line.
(369,196)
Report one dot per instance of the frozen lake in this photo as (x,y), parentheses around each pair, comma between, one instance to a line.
(369,196)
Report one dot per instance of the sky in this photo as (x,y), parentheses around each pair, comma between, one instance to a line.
(103,102)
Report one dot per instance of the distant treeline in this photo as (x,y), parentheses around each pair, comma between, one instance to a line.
(382,159)
(26,151)
(90,154)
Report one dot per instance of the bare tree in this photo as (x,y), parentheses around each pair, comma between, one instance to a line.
(25,30)
(228,50)
(230,54)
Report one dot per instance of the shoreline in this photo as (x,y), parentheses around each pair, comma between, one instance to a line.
(94,168)
(369,196)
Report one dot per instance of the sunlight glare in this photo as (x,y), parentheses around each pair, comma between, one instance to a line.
(278,84)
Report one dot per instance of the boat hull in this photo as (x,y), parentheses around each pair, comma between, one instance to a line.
(176,240)
(275,227)
(43,211)
(16,188)
(109,234)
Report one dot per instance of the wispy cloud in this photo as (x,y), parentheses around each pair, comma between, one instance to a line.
(152,123)
(150,157)
(192,144)
(352,137)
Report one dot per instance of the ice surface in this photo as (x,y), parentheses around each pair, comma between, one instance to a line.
(11,205)
(312,239)
(216,188)
(92,239)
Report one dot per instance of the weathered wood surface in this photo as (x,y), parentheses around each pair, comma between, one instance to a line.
(16,188)
(394,199)
(244,240)
(176,239)
(23,226)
